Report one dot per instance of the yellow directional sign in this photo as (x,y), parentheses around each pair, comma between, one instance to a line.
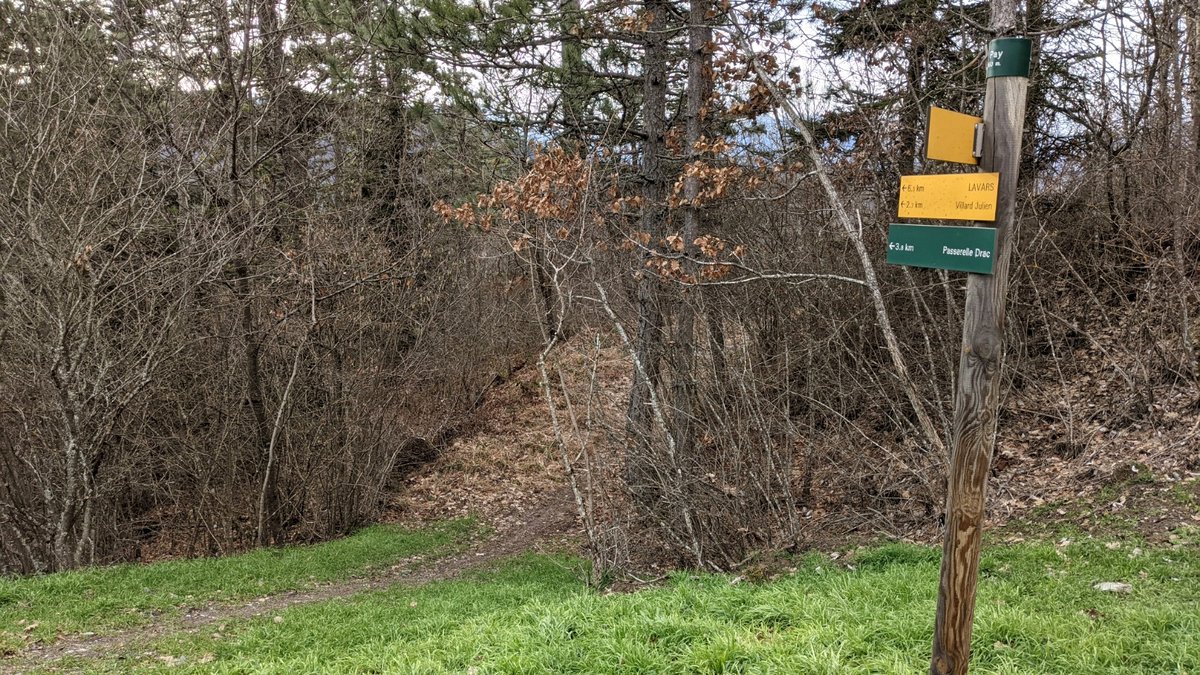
(951,136)
(956,196)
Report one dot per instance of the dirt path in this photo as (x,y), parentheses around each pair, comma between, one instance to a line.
(548,524)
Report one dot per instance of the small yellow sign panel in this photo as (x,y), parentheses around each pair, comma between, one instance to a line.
(951,136)
(956,196)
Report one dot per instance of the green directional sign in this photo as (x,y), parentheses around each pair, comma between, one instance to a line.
(1008,57)
(963,249)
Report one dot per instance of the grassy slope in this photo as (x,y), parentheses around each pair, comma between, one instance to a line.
(114,597)
(1037,613)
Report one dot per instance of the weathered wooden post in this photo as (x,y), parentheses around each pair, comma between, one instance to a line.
(978,387)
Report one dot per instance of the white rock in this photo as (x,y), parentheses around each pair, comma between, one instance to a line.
(1113,587)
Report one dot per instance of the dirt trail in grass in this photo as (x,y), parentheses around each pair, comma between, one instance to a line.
(547,525)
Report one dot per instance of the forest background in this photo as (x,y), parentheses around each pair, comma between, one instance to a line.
(261,259)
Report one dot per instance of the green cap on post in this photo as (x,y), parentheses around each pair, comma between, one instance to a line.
(1008,57)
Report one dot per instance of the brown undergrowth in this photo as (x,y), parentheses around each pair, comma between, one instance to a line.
(1126,469)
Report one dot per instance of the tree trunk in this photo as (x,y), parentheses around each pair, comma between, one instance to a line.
(649,325)
(699,90)
(572,83)
(1185,234)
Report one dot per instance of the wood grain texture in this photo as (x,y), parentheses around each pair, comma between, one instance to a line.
(978,387)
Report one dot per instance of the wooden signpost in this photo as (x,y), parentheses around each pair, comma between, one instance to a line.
(977,391)
(994,143)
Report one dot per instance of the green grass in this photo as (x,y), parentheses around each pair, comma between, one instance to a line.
(1187,493)
(101,599)
(1036,613)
